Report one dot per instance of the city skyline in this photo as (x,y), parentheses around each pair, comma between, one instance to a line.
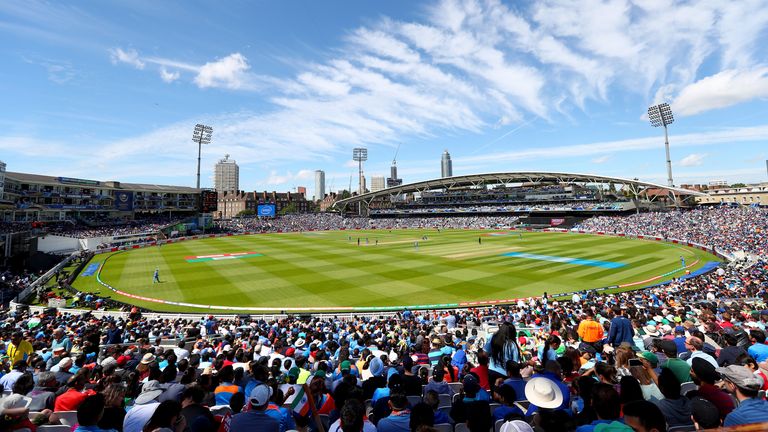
(112,91)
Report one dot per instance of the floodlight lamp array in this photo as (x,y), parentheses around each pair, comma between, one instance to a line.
(660,115)
(202,134)
(359,154)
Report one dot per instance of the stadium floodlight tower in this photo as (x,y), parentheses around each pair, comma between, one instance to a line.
(360,155)
(202,135)
(661,115)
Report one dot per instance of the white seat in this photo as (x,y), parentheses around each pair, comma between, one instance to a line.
(497,425)
(494,407)
(445,399)
(461,427)
(68,418)
(413,400)
(444,427)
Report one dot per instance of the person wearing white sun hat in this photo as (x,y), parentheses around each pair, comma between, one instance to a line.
(543,393)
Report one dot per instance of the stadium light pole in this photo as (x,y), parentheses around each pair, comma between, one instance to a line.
(360,155)
(661,115)
(201,135)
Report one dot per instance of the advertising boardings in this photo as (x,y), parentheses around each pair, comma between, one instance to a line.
(266,210)
(124,200)
(208,201)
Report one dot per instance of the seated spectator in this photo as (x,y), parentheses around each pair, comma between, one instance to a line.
(400,418)
(758,350)
(508,410)
(438,384)
(705,376)
(89,413)
(166,418)
(421,416)
(607,406)
(676,408)
(256,419)
(644,416)
(744,386)
(432,399)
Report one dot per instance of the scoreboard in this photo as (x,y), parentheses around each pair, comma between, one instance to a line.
(208,201)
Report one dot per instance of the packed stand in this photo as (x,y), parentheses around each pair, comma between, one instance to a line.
(730,229)
(332,221)
(669,358)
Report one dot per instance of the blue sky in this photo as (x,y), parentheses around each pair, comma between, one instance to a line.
(112,90)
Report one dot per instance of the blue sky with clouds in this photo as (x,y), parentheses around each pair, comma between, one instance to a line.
(112,90)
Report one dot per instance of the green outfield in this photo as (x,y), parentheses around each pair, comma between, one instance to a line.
(395,268)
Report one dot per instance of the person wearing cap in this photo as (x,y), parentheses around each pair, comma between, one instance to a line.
(705,376)
(680,341)
(470,399)
(14,410)
(62,370)
(744,385)
(256,419)
(679,367)
(438,384)
(731,352)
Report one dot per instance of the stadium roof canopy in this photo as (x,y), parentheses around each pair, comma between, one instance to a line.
(636,188)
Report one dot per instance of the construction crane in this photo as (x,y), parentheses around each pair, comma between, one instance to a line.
(394,159)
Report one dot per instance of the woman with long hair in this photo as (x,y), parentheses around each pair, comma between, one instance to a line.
(549,352)
(501,347)
(647,385)
(114,407)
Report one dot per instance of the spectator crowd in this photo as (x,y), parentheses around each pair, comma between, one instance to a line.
(684,356)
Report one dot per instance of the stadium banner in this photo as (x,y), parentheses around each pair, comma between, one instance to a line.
(556,221)
(266,210)
(124,201)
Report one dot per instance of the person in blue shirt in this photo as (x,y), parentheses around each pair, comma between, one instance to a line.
(621,329)
(400,418)
(744,385)
(507,411)
(607,406)
(156,275)
(515,380)
(758,350)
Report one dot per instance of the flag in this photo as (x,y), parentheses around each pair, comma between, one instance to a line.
(300,404)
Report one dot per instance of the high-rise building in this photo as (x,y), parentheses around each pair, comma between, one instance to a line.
(446,167)
(392,180)
(319,185)
(226,176)
(2,179)
(377,183)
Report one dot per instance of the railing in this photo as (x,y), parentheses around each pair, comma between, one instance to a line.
(42,280)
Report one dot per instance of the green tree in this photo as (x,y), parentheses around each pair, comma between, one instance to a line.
(738,185)
(246,212)
(290,208)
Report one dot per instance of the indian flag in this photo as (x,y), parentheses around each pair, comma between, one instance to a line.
(300,404)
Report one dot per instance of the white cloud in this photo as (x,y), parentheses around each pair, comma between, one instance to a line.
(721,90)
(226,72)
(693,159)
(130,56)
(168,77)
(601,159)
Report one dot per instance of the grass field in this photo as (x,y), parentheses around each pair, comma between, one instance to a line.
(330,270)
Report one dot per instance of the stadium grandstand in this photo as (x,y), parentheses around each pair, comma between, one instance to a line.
(651,356)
